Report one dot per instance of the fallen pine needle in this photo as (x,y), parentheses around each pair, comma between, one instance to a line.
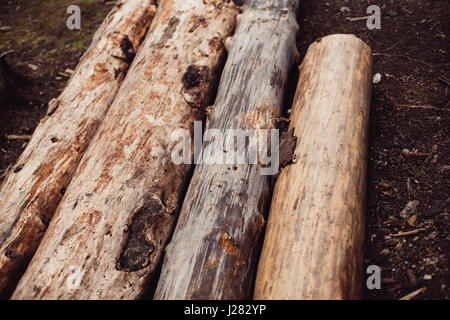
(357,18)
(422,107)
(408,233)
(413,294)
(17,137)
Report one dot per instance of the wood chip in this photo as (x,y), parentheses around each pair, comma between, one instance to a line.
(33,67)
(412,220)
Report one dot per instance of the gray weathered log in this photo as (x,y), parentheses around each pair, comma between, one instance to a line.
(313,248)
(213,253)
(31,193)
(108,234)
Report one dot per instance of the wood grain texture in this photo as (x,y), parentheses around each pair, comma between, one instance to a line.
(32,191)
(109,232)
(313,248)
(213,253)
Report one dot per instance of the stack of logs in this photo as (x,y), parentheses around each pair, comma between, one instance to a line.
(95,205)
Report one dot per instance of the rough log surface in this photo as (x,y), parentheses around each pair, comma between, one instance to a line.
(313,248)
(33,190)
(213,253)
(109,232)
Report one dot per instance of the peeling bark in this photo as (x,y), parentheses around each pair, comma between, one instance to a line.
(109,232)
(313,248)
(213,253)
(32,192)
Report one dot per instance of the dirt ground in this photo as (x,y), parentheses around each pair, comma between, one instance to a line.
(411,54)
(409,128)
(44,48)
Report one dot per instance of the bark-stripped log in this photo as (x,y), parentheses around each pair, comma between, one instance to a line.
(313,247)
(109,232)
(215,247)
(32,192)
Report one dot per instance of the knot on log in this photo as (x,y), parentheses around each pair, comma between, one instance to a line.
(128,52)
(197,86)
(140,246)
(127,49)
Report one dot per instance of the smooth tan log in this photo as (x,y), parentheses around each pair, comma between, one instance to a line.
(313,248)
(214,251)
(31,193)
(109,232)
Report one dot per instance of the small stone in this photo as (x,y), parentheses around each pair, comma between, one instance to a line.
(427,277)
(376,78)
(5,28)
(345,9)
(410,208)
(33,66)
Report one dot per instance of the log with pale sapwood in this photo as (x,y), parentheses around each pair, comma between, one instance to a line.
(214,251)
(313,248)
(32,191)
(109,231)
